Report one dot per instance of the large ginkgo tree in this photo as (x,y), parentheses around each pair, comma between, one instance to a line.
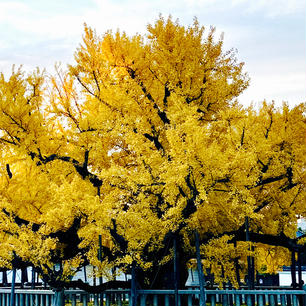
(142,142)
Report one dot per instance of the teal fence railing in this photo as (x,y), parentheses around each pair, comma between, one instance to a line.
(121,297)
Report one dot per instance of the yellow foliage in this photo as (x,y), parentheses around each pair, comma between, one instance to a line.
(141,138)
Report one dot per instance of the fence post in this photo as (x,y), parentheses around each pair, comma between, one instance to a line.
(200,271)
(133,285)
(12,301)
(175,272)
(249,258)
(100,257)
(304,296)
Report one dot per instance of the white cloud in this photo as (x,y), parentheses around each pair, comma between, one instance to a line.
(7,7)
(271,8)
(277,87)
(39,35)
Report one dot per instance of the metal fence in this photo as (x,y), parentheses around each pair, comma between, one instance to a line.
(121,297)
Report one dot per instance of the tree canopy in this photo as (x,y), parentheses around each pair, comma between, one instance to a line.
(142,141)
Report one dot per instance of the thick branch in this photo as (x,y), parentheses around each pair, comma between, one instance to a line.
(155,140)
(83,171)
(261,206)
(69,237)
(14,120)
(19,221)
(190,207)
(270,180)
(167,94)
(117,237)
(162,114)
(269,127)
(8,170)
(279,240)
(242,137)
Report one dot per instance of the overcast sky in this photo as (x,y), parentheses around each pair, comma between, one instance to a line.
(270,35)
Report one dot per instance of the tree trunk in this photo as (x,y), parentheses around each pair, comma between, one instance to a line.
(165,276)
(162,276)
(24,276)
(4,278)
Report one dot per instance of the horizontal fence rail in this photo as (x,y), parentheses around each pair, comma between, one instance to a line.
(27,297)
(189,297)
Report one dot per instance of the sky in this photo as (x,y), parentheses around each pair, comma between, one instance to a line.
(269,35)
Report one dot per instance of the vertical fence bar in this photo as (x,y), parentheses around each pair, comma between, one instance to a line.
(189,300)
(213,300)
(48,300)
(248,299)
(73,300)
(271,300)
(237,299)
(107,300)
(22,299)
(42,300)
(175,272)
(26,299)
(249,258)
(218,298)
(288,298)
(12,303)
(100,258)
(84,299)
(294,300)
(260,300)
(224,299)
(143,300)
(167,299)
(200,270)
(230,300)
(283,300)
(102,297)
(119,299)
(96,300)
(133,285)
(17,297)
(36,299)
(155,300)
